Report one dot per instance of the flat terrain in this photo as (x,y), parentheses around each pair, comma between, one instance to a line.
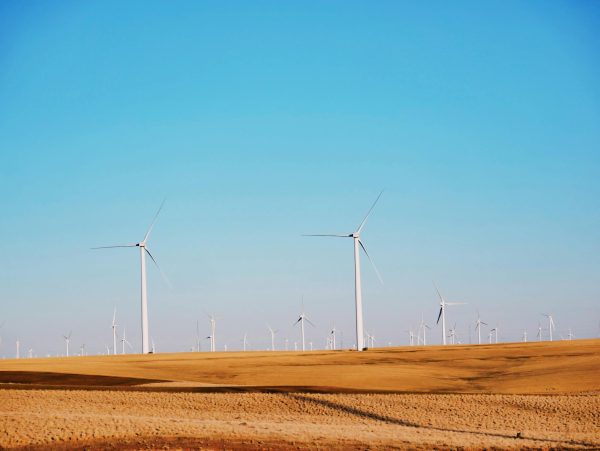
(535,395)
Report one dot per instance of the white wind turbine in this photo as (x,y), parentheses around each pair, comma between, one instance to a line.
(452,334)
(197,336)
(114,331)
(144,295)
(124,342)
(442,314)
(551,326)
(478,327)
(67,340)
(423,328)
(213,328)
(332,333)
(357,279)
(245,341)
(539,334)
(273,332)
(301,320)
(524,335)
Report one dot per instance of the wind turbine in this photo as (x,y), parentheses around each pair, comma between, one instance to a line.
(333,345)
(245,340)
(423,327)
(213,327)
(144,295)
(570,336)
(67,340)
(153,348)
(452,333)
(18,349)
(524,335)
(197,336)
(490,335)
(273,332)
(124,341)
(478,327)
(551,326)
(301,320)
(114,331)
(442,314)
(358,244)
(539,334)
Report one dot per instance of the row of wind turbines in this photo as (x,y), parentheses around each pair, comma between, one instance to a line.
(363,339)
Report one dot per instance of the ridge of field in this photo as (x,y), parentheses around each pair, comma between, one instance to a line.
(561,367)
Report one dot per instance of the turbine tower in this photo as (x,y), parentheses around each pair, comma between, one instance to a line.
(144,296)
(358,244)
(442,314)
(213,327)
(478,327)
(124,341)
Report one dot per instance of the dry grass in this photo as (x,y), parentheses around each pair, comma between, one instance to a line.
(459,396)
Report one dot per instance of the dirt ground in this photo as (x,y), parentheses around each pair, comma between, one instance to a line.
(534,396)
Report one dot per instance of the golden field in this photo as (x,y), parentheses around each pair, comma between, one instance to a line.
(535,395)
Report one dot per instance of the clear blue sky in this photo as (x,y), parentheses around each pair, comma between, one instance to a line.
(260,121)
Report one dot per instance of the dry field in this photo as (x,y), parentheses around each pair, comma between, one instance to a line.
(536,395)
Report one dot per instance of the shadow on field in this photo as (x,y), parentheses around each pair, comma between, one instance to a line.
(387,419)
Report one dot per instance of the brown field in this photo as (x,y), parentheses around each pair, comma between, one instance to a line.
(535,395)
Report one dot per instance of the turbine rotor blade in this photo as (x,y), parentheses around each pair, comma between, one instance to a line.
(438,292)
(439,316)
(456,303)
(309,322)
(364,221)
(329,234)
(111,247)
(371,260)
(153,222)
(160,270)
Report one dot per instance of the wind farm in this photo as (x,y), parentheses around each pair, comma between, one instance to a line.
(299,225)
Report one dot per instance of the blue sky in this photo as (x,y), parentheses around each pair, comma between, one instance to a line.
(261,121)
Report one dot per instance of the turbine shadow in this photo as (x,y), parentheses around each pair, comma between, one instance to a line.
(388,419)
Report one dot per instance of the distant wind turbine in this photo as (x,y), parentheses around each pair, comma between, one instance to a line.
(213,328)
(114,331)
(332,333)
(301,320)
(125,342)
(478,327)
(551,326)
(144,296)
(67,341)
(539,334)
(358,244)
(442,314)
(524,335)
(273,332)
(423,329)
(197,336)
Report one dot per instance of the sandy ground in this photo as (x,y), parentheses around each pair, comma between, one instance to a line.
(261,420)
(537,396)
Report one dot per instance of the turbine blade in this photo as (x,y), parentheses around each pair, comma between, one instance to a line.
(371,260)
(165,278)
(299,319)
(364,221)
(456,303)
(439,316)
(111,247)
(484,323)
(438,292)
(153,222)
(310,322)
(325,234)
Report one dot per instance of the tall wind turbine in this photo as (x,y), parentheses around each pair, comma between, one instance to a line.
(67,340)
(442,314)
(144,296)
(114,331)
(478,327)
(301,320)
(551,326)
(358,244)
